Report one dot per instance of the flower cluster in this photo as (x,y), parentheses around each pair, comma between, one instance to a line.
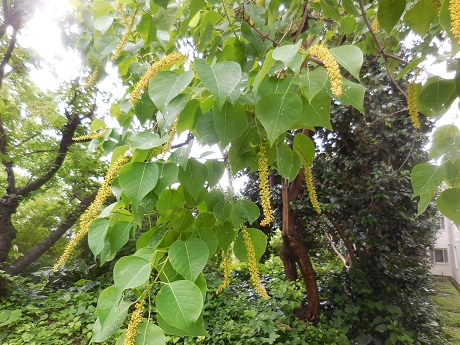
(124,39)
(310,187)
(172,133)
(93,210)
(375,26)
(332,67)
(252,263)
(133,325)
(264,187)
(260,2)
(227,267)
(95,135)
(92,78)
(412,104)
(156,67)
(454,8)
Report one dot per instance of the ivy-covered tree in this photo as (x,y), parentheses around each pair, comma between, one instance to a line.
(257,79)
(48,179)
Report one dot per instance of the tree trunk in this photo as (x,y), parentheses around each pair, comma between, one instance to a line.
(295,253)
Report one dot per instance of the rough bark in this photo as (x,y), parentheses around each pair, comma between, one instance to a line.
(295,253)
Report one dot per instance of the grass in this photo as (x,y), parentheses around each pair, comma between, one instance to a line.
(447,301)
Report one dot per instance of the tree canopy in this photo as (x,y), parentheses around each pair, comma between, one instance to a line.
(259,80)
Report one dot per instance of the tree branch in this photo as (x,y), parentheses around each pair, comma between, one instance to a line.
(11,181)
(346,241)
(34,253)
(7,55)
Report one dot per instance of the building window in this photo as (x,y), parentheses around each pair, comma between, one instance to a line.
(439,256)
(442,223)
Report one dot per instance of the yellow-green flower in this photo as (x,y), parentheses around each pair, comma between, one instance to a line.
(375,26)
(172,132)
(310,187)
(93,210)
(227,270)
(156,67)
(133,325)
(412,104)
(90,136)
(124,39)
(252,263)
(454,8)
(332,67)
(92,78)
(264,187)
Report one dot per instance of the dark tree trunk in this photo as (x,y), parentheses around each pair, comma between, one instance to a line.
(295,253)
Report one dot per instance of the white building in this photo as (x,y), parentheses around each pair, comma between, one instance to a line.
(446,253)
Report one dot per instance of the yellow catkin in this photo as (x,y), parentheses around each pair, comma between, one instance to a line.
(156,67)
(260,2)
(92,79)
(227,268)
(93,210)
(119,6)
(124,39)
(332,67)
(412,104)
(454,8)
(133,325)
(310,187)
(172,132)
(252,263)
(90,136)
(375,26)
(264,187)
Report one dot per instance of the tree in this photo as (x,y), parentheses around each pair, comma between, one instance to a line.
(257,79)
(42,162)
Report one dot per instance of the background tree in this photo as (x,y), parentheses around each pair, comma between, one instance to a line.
(48,178)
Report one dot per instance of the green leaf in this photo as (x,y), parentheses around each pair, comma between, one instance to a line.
(331,9)
(436,96)
(112,323)
(107,303)
(349,57)
(288,162)
(102,24)
(137,180)
(167,174)
(229,122)
(448,204)
(220,79)
(189,258)
(268,63)
(149,334)
(353,94)
(170,200)
(426,178)
(193,177)
(180,303)
(453,173)
(424,202)
(246,209)
(195,329)
(261,45)
(215,171)
(226,234)
(118,237)
(286,53)
(164,19)
(147,140)
(350,7)
(316,113)
(409,67)
(278,113)
(272,85)
(259,241)
(146,29)
(420,16)
(312,82)
(162,3)
(165,86)
(304,147)
(96,235)
(446,142)
(208,236)
(130,272)
(101,8)
(389,13)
